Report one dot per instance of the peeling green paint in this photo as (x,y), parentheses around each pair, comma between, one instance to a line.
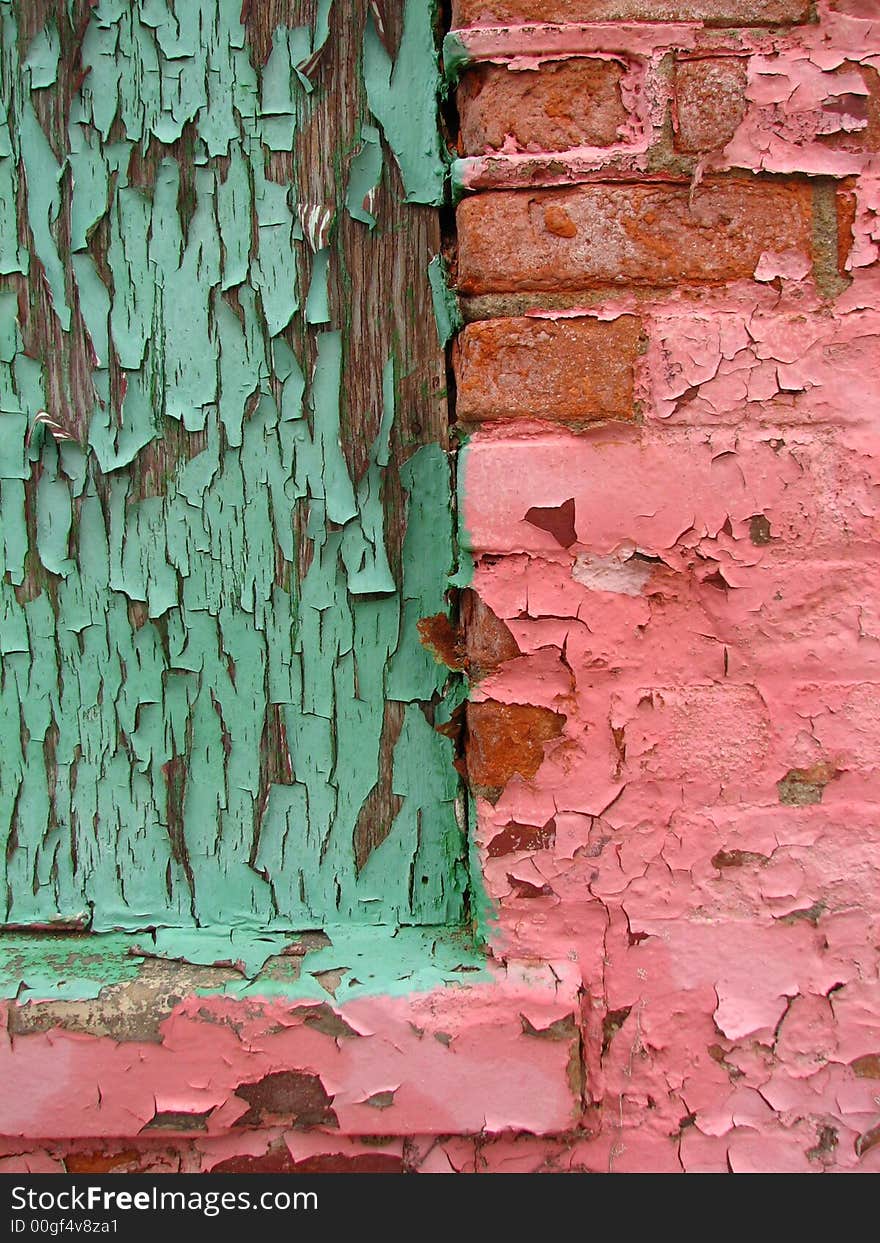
(403,97)
(64,968)
(414,960)
(464,572)
(446,309)
(456,57)
(369,962)
(198,565)
(43,173)
(364,173)
(42,57)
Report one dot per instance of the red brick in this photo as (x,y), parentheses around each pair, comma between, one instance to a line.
(504,739)
(562,104)
(651,234)
(709,102)
(565,369)
(489,640)
(716,12)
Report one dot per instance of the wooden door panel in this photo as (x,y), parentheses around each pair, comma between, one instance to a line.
(224,480)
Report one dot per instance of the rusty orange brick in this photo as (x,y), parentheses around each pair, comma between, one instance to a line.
(653,234)
(562,104)
(504,739)
(710,101)
(565,369)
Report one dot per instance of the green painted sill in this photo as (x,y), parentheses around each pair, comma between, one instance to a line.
(338,963)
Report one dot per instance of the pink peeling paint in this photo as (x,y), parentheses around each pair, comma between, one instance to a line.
(712,638)
(685,930)
(808,97)
(437,1064)
(699,661)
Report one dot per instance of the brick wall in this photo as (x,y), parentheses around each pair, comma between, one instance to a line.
(666,257)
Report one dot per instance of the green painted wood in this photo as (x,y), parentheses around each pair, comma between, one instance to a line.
(224,483)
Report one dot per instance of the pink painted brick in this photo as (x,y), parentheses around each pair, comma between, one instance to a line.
(714,12)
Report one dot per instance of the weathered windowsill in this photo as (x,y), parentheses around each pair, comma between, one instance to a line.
(371,1031)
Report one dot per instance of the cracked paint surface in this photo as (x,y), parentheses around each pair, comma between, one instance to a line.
(691,588)
(669,633)
(368,1066)
(208,636)
(810,100)
(227,520)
